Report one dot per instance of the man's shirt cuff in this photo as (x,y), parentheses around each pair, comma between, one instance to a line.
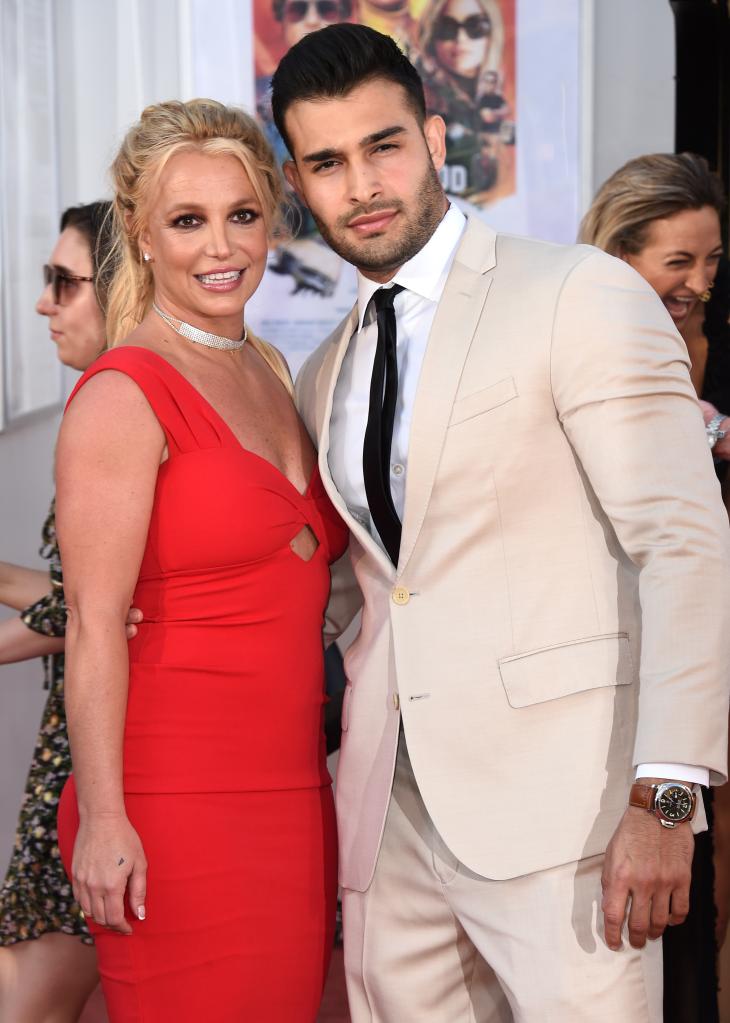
(674,772)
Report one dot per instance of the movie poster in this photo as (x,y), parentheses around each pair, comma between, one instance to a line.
(465,53)
(504,75)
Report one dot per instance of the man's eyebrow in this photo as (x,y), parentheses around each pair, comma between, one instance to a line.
(386,133)
(377,136)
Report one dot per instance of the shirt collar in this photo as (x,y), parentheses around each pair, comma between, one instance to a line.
(425,273)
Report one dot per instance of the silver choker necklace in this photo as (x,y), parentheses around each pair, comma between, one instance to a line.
(200,337)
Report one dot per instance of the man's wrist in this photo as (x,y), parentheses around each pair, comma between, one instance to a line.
(671,802)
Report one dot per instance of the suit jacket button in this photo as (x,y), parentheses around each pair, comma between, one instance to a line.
(400,595)
(396,701)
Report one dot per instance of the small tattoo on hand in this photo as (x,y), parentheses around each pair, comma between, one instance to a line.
(121,861)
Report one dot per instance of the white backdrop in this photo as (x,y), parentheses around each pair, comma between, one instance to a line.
(28,200)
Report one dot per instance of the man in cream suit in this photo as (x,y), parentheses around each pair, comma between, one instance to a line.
(542,554)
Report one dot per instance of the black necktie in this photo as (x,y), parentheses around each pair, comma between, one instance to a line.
(379,429)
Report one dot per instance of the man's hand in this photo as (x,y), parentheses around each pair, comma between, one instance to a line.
(649,865)
(134,617)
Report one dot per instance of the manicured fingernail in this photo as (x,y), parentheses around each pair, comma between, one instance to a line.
(140,913)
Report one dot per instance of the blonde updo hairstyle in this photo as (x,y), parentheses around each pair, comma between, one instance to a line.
(163,131)
(646,189)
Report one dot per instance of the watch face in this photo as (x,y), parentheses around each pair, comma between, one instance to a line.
(675,803)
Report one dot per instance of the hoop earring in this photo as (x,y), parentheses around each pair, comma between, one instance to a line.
(707,293)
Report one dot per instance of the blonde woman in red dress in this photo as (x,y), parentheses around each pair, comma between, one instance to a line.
(198,825)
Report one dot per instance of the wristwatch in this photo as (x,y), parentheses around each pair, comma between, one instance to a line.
(671,802)
(713,431)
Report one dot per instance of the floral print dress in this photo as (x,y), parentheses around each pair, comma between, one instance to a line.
(36,896)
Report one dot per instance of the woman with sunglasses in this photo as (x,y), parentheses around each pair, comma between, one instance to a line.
(47,958)
(461,43)
(300,17)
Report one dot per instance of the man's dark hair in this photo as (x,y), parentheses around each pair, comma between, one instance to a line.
(334,61)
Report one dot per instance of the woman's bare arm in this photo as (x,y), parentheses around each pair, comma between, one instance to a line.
(108,456)
(20,587)
(19,643)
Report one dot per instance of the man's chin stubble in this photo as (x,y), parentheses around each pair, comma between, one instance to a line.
(370,260)
(415,233)
(374,259)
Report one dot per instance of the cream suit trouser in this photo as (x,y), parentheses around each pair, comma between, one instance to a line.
(431,942)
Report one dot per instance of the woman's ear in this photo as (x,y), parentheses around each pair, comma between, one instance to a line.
(145,246)
(143,239)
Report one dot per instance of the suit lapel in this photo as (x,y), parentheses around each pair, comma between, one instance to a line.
(448,346)
(326,383)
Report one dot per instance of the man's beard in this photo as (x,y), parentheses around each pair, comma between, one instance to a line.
(373,255)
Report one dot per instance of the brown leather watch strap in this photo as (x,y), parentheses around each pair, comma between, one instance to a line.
(642,796)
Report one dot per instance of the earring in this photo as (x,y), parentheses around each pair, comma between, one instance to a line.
(146,257)
(707,293)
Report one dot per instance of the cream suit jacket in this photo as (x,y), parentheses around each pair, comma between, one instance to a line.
(560,609)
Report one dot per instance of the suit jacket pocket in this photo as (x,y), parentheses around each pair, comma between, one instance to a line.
(551,672)
(484,400)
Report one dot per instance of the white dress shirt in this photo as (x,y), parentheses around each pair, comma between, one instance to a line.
(423,278)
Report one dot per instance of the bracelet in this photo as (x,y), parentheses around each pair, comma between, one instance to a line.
(713,431)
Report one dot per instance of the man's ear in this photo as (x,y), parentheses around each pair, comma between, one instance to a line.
(292,176)
(434,131)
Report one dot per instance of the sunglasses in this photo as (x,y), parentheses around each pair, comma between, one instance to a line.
(476,26)
(63,285)
(327,10)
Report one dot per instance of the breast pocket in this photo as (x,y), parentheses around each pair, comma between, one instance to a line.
(484,400)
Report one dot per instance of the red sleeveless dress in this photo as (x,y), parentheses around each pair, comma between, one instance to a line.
(225,776)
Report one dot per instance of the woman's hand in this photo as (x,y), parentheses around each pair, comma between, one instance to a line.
(109,862)
(722,448)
